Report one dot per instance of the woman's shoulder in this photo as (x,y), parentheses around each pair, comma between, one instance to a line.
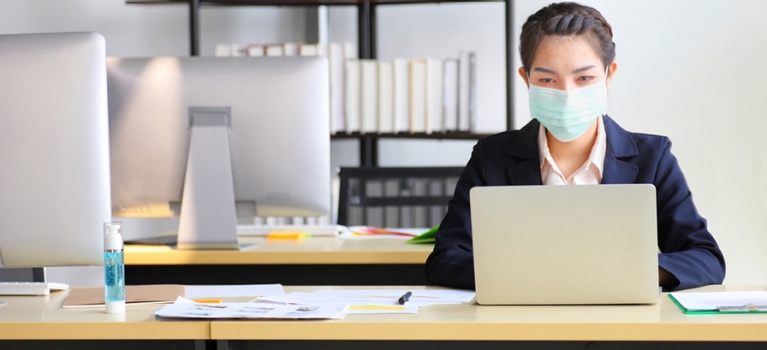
(642,141)
(513,139)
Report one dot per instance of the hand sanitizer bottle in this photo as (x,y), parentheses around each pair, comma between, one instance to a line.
(114,268)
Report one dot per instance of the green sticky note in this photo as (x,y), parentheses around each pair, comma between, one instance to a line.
(429,236)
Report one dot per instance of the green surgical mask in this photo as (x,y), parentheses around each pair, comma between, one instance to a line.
(568,114)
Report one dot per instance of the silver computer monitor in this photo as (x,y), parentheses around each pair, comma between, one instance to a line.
(54,149)
(273,135)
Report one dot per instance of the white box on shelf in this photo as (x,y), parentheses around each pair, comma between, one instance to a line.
(401,95)
(335,53)
(307,50)
(274,50)
(450,102)
(256,50)
(352,96)
(385,97)
(434,91)
(223,50)
(350,51)
(237,51)
(467,91)
(290,49)
(322,49)
(418,96)
(369,95)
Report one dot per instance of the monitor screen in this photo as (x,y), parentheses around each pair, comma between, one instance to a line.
(54,149)
(277,127)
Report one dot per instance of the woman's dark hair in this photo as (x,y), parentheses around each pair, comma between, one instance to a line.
(566,19)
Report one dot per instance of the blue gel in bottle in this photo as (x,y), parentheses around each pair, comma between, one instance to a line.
(114,276)
(114,268)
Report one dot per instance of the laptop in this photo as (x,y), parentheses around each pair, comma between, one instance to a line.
(574,245)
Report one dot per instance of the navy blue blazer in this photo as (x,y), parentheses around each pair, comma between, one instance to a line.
(688,251)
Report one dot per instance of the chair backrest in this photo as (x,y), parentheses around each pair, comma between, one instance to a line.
(395,197)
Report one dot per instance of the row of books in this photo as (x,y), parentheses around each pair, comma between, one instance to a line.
(397,96)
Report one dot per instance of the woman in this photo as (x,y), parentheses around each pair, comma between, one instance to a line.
(568,63)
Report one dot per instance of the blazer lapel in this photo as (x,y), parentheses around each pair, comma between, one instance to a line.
(619,146)
(525,168)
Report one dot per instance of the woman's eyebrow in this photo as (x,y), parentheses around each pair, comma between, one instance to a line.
(545,70)
(583,69)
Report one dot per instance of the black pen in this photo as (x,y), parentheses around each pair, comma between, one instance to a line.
(403,299)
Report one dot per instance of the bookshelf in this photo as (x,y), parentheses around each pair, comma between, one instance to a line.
(367,50)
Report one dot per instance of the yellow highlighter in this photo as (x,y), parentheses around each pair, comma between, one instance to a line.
(287,235)
(208,301)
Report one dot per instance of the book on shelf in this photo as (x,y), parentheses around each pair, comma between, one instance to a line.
(237,51)
(350,51)
(336,59)
(385,97)
(322,49)
(401,95)
(467,91)
(308,50)
(223,50)
(256,50)
(418,96)
(290,49)
(352,111)
(434,91)
(450,100)
(274,50)
(369,96)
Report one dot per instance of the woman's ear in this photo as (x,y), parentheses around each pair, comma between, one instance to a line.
(523,74)
(611,73)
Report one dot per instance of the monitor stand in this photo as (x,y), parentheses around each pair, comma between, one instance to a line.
(208,215)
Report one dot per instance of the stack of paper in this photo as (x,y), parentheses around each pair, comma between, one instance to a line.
(185,308)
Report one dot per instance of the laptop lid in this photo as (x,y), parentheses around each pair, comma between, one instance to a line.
(586,244)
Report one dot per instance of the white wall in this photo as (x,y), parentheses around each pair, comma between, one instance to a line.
(695,71)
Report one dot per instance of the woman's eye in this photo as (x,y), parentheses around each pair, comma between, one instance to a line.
(585,78)
(547,80)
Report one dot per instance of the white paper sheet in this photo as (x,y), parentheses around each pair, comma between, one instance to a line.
(225,291)
(184,309)
(377,297)
(715,300)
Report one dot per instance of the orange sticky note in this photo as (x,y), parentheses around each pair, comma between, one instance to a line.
(291,235)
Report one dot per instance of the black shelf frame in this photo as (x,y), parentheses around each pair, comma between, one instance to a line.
(367,42)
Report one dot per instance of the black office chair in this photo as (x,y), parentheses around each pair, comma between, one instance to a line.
(395,197)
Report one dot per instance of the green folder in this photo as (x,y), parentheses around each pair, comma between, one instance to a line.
(712,312)
(429,236)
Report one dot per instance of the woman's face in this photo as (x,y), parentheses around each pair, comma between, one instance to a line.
(566,63)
